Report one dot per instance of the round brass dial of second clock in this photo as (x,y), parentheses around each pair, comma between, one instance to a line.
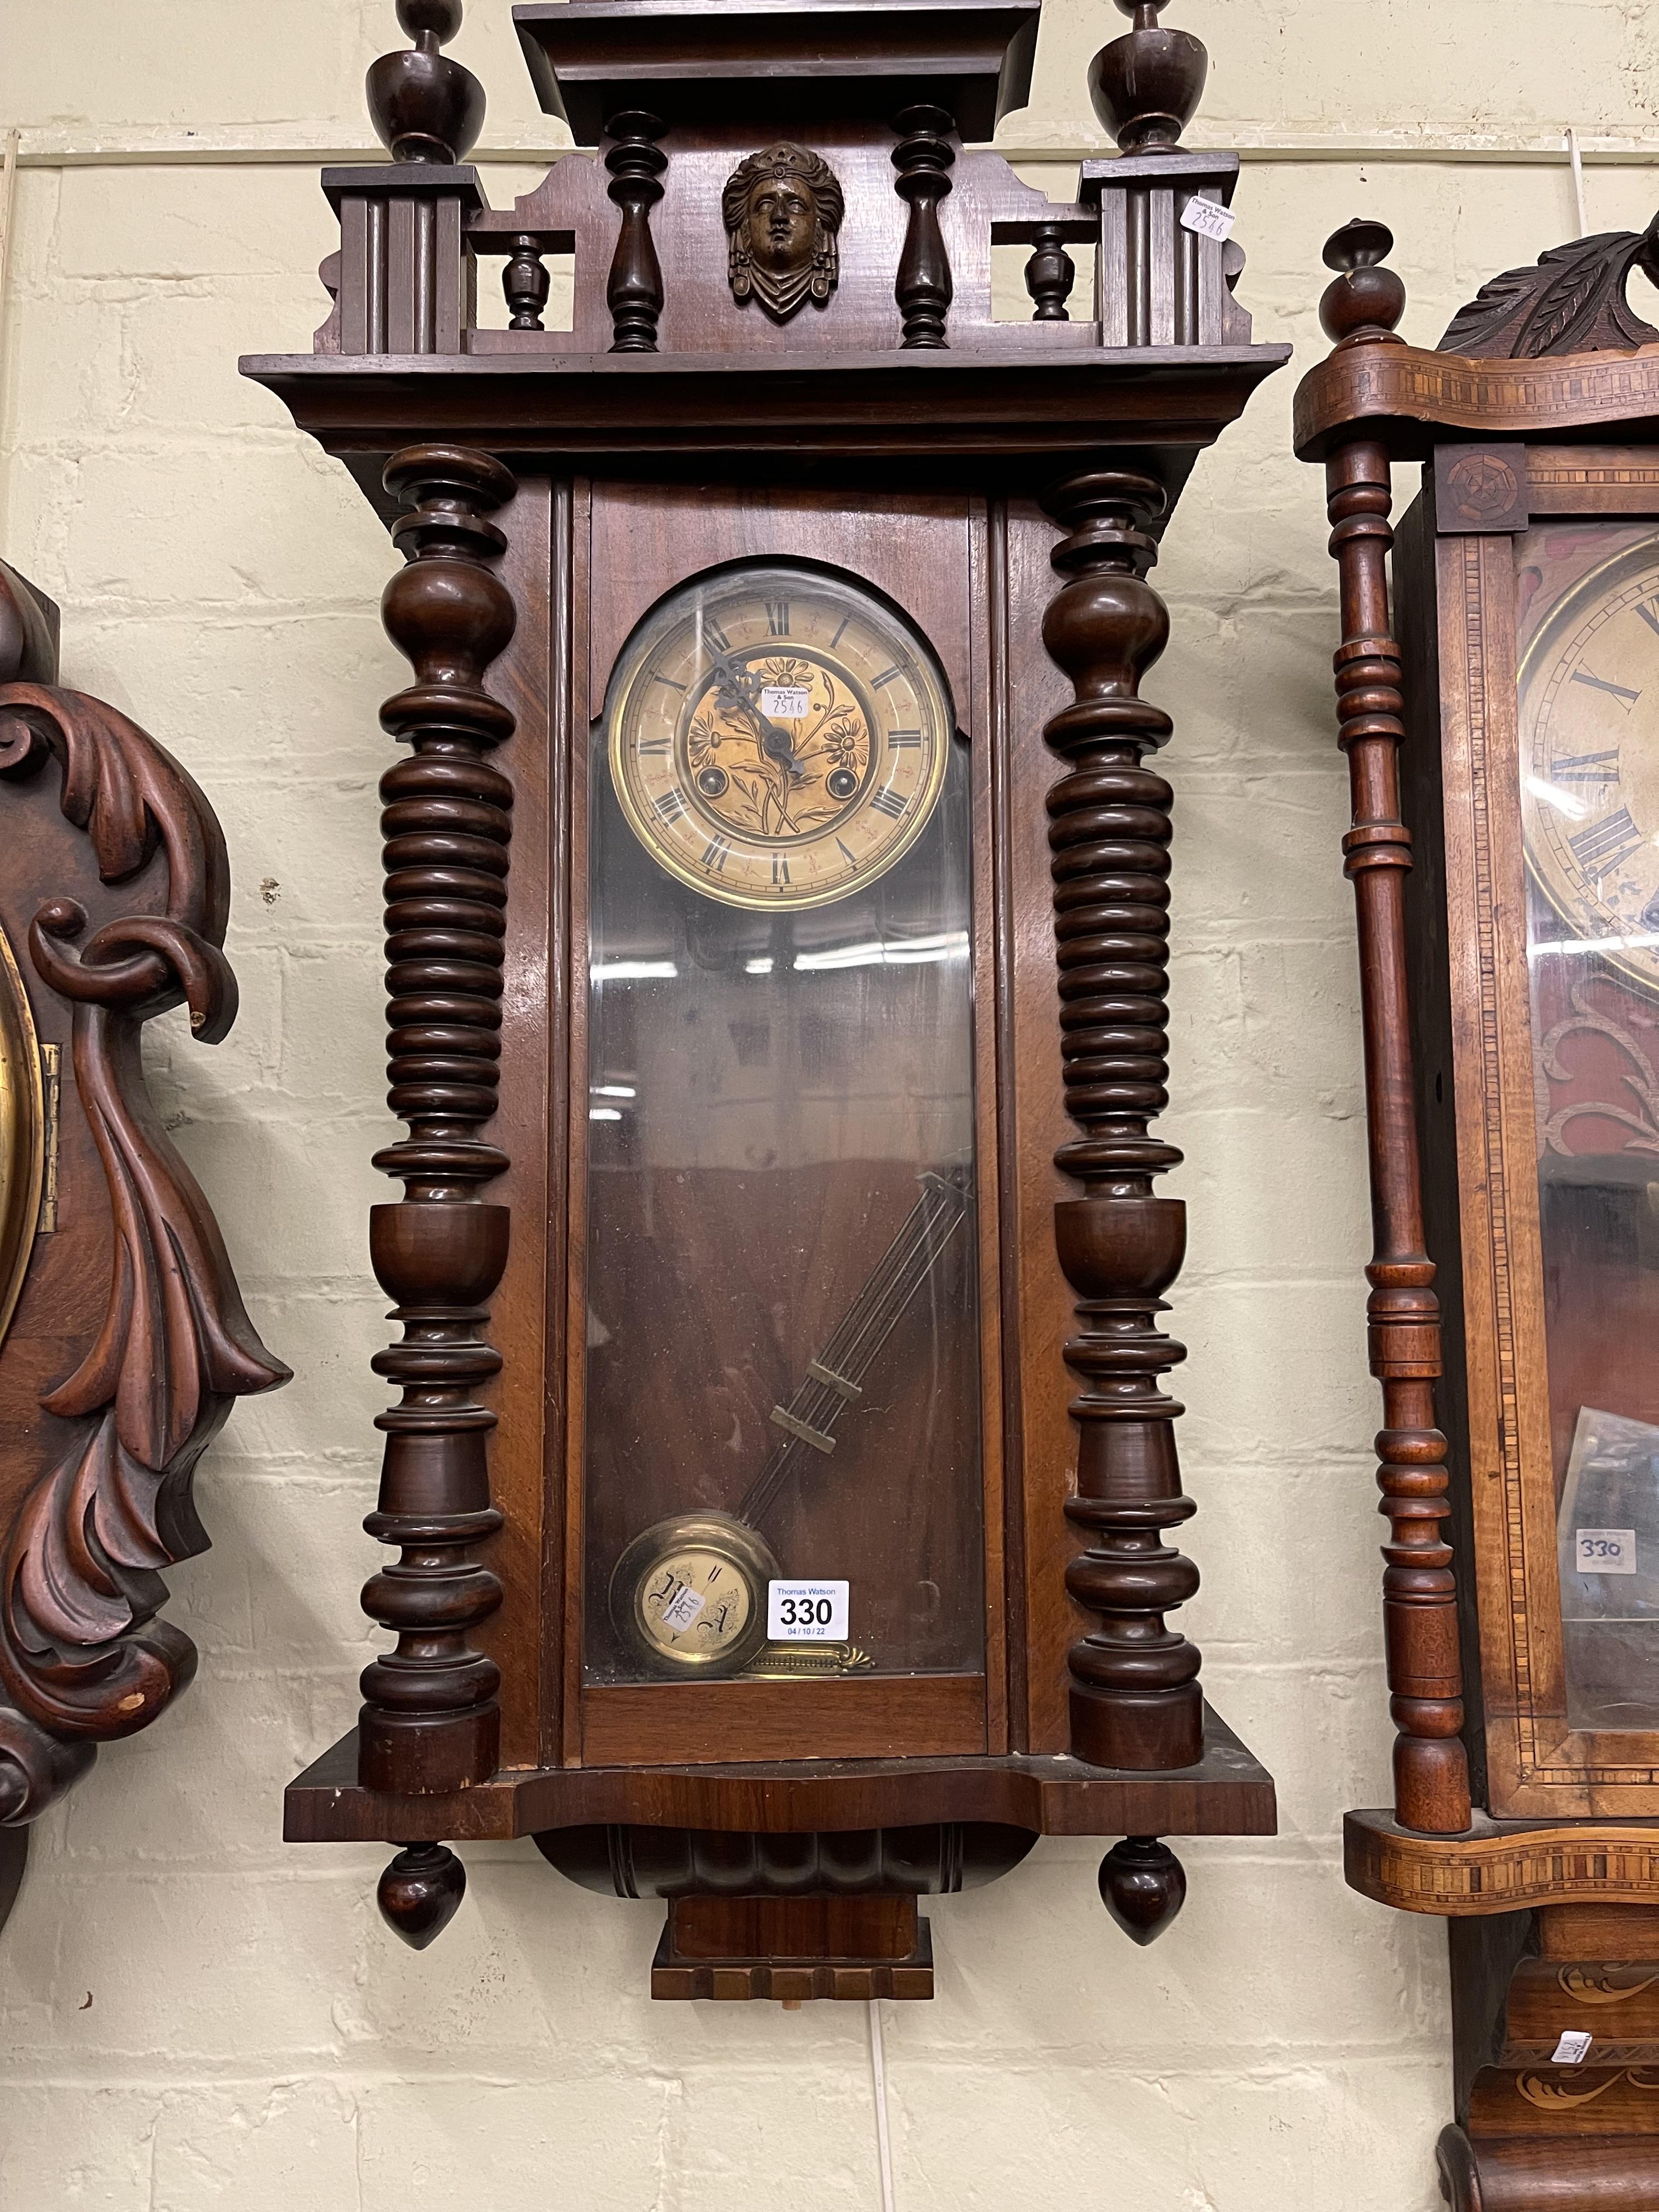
(1589,734)
(690,1593)
(778,737)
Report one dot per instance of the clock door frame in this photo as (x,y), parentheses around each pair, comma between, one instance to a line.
(1473,1048)
(636,542)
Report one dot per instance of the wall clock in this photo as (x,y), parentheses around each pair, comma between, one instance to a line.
(1503,725)
(748,1555)
(124,1342)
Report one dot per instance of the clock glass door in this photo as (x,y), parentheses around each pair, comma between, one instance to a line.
(1589,807)
(781,1427)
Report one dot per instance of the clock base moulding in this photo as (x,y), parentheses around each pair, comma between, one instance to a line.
(924,1826)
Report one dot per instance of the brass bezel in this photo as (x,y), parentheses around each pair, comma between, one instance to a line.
(741,1547)
(803,576)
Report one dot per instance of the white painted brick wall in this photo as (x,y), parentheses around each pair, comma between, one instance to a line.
(192,2016)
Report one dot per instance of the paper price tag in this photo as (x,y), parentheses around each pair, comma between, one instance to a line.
(1574,2047)
(807,1612)
(1605,1551)
(1208,218)
(785,702)
(682,1608)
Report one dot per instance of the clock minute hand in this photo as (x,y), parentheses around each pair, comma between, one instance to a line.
(832,1380)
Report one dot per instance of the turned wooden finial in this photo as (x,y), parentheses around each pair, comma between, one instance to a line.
(1364,305)
(1146,85)
(424,107)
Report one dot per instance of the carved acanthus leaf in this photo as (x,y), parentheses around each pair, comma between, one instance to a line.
(81,1657)
(1573,302)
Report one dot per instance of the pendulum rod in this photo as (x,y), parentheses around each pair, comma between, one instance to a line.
(831,1382)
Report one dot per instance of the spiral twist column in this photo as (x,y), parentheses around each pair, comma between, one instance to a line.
(430,1723)
(1135,1695)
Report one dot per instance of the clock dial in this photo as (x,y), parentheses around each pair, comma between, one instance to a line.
(778,737)
(690,1593)
(1590,728)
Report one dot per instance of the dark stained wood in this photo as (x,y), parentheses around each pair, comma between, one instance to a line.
(884,423)
(1574,301)
(995,413)
(1134,1697)
(1143,1884)
(634,289)
(525,1321)
(1226,1793)
(128,1343)
(420,1892)
(753,62)
(923,157)
(696,1723)
(429,1716)
(793,1949)
(930,1861)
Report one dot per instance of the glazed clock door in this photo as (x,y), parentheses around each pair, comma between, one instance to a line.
(1589,694)
(783,1470)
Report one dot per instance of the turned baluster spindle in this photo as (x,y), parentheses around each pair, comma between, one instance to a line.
(1134,1696)
(1050,274)
(634,291)
(525,285)
(430,1722)
(1419,1596)
(923,287)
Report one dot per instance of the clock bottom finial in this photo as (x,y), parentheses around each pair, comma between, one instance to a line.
(421,1892)
(1143,1884)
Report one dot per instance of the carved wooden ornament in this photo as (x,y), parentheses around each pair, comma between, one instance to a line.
(83,1658)
(782,209)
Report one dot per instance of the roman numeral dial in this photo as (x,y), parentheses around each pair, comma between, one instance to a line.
(1590,737)
(778,737)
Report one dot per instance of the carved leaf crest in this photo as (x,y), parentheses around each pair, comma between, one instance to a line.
(1573,302)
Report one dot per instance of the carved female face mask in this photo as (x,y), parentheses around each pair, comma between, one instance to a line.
(782,209)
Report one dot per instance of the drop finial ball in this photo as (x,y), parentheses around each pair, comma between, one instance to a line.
(1146,85)
(1364,305)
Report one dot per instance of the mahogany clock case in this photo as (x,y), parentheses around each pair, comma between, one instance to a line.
(663,1173)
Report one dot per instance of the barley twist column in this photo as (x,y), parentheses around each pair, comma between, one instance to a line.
(1134,1696)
